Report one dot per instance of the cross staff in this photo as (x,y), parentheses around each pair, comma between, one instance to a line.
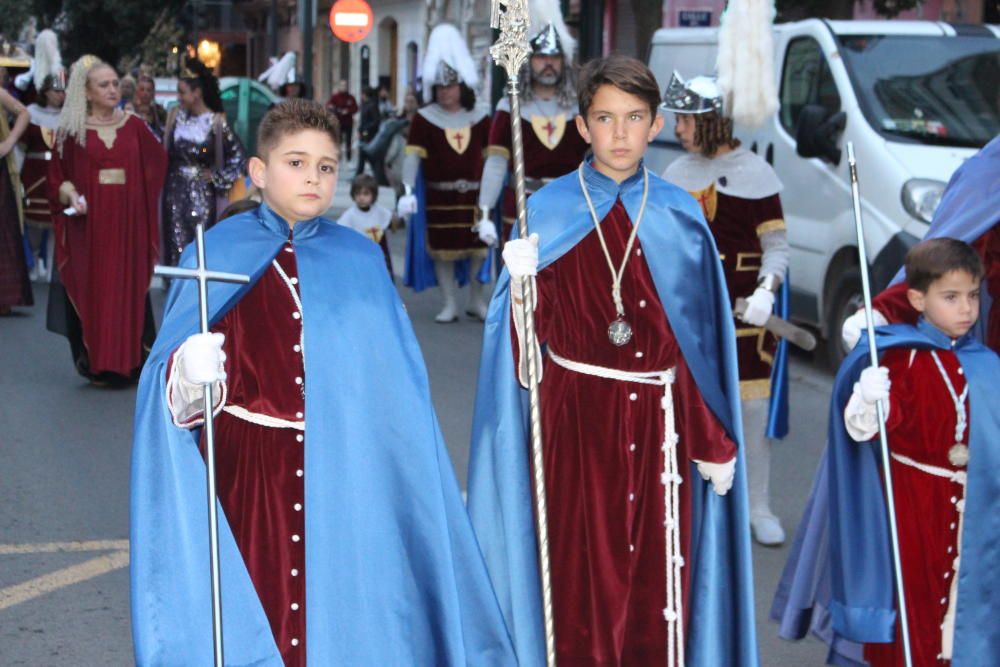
(203,276)
(511,51)
(879,408)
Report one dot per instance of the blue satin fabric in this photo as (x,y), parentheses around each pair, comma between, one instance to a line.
(685,266)
(394,575)
(840,570)
(418,271)
(970,207)
(777,414)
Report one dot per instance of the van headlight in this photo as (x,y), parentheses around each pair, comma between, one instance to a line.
(921,197)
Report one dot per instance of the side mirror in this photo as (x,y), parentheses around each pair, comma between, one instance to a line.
(816,133)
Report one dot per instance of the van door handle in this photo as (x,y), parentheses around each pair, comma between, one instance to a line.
(769,154)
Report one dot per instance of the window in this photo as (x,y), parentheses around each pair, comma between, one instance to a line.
(806,79)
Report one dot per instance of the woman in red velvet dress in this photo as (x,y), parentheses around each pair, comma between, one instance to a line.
(110,171)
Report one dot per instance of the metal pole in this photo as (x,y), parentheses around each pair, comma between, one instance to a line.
(879,408)
(511,51)
(203,276)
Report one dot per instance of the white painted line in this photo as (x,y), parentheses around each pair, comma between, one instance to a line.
(57,547)
(33,588)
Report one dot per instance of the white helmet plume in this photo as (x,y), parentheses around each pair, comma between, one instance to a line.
(746,62)
(446,47)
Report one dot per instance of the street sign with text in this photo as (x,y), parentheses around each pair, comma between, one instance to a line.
(351,20)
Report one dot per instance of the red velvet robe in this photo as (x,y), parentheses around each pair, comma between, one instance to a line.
(540,161)
(39,151)
(106,258)
(892,302)
(260,468)
(603,456)
(921,426)
(450,213)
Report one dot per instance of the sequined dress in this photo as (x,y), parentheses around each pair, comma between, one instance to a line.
(195,144)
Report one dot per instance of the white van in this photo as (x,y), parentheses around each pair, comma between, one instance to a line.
(916,98)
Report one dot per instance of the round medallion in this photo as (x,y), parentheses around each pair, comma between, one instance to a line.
(619,332)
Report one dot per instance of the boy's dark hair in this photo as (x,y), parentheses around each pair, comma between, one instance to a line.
(364,182)
(929,260)
(624,73)
(237,207)
(712,131)
(295,116)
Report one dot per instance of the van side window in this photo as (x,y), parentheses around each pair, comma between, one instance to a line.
(805,79)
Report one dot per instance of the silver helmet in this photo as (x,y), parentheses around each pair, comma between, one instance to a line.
(699,95)
(546,42)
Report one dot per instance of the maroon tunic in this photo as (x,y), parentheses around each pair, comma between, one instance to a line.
(892,302)
(39,143)
(15,288)
(449,156)
(106,257)
(737,225)
(921,426)
(604,458)
(543,160)
(260,467)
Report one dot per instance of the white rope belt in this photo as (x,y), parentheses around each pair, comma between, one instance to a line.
(263,420)
(959,477)
(670,478)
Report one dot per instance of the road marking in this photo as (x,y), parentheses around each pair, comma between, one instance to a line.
(57,547)
(47,583)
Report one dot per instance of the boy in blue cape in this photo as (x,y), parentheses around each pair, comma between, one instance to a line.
(943,426)
(344,540)
(639,402)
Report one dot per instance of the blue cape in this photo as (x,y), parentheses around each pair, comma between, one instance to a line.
(850,577)
(777,414)
(394,575)
(418,271)
(685,266)
(970,207)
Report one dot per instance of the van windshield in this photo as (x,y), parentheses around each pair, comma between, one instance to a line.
(932,90)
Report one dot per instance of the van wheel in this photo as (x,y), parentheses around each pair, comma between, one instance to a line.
(846,300)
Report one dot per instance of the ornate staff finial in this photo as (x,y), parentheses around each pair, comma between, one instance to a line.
(511,50)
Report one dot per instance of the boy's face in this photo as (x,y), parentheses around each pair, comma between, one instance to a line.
(951,303)
(299,177)
(684,129)
(618,127)
(363,198)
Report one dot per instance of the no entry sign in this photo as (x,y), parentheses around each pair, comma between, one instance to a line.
(351,20)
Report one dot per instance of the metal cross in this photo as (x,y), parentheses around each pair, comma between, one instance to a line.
(204,276)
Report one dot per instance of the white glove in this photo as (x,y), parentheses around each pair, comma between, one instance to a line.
(521,257)
(854,325)
(407,205)
(874,384)
(720,474)
(486,229)
(760,305)
(200,359)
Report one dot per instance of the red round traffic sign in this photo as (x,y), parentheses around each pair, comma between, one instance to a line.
(351,20)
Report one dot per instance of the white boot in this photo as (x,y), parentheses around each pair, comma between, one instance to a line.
(764,524)
(478,293)
(445,274)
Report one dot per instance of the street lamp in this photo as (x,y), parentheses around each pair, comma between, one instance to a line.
(209,53)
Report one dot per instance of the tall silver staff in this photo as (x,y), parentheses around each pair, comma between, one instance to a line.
(511,52)
(879,407)
(203,276)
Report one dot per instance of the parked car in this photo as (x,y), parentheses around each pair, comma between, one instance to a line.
(245,102)
(916,98)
